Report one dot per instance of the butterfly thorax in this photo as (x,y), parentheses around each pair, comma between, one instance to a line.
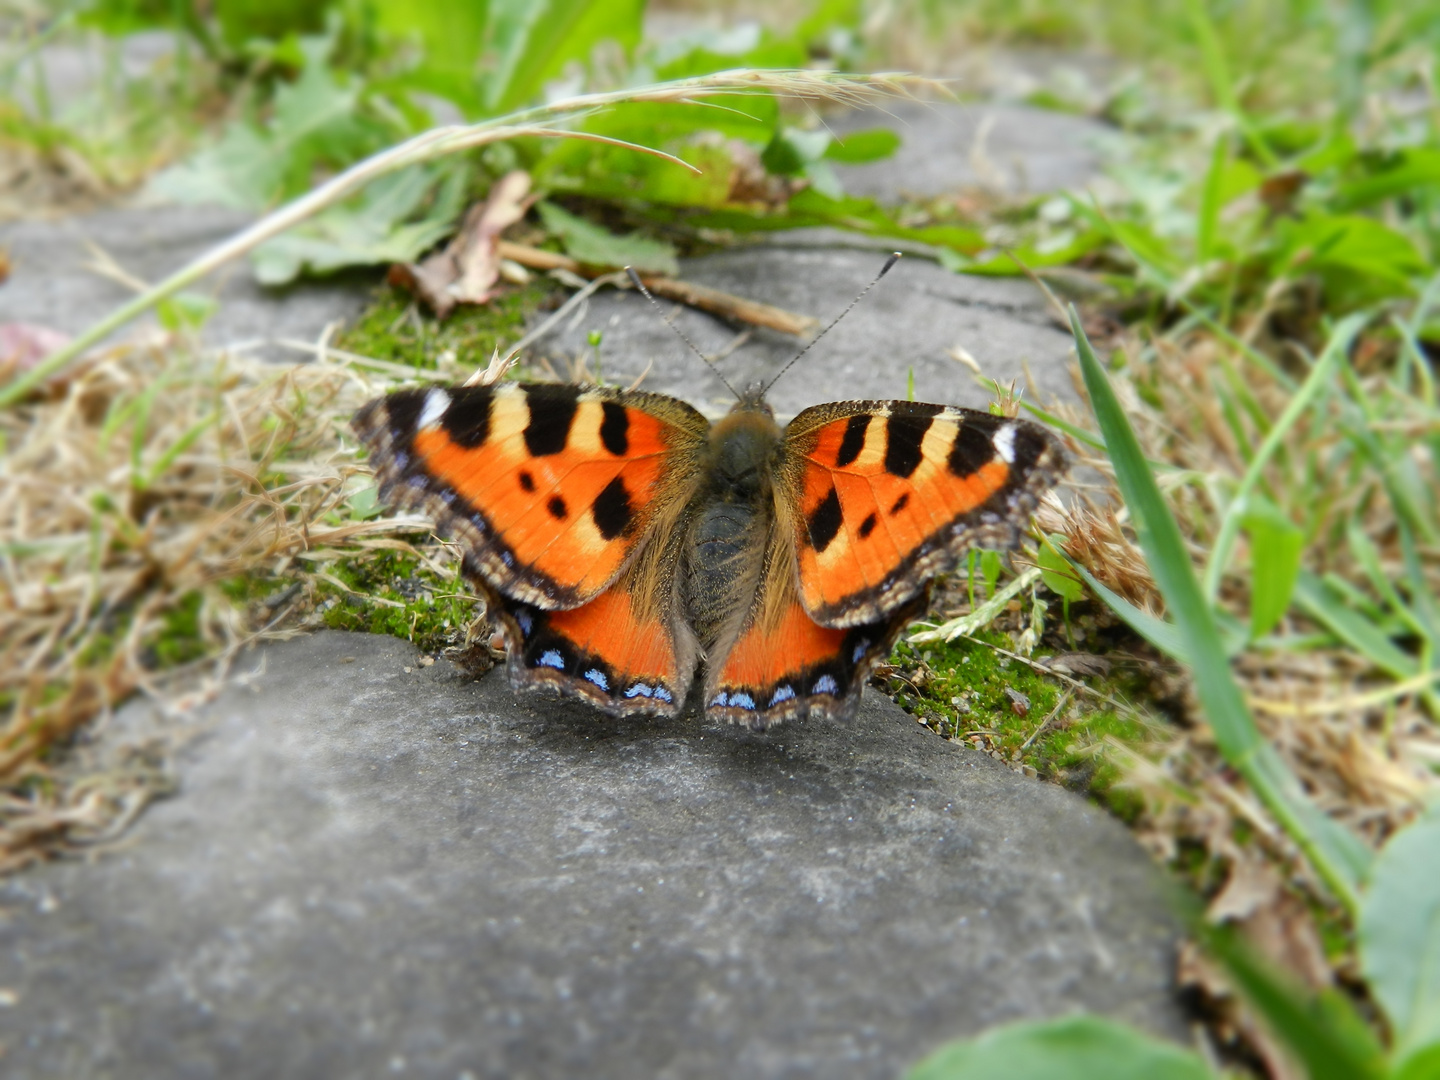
(732,513)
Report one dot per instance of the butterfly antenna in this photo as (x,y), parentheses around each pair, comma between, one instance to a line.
(635,280)
(891,261)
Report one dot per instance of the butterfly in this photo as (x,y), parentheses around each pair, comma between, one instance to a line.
(624,543)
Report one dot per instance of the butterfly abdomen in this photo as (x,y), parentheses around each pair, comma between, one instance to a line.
(730,522)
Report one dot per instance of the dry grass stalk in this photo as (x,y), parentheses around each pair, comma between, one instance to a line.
(126,499)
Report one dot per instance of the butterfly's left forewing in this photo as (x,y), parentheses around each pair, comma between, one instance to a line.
(879,496)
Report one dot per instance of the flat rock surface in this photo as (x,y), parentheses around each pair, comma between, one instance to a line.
(909,326)
(1006,149)
(54,280)
(374,872)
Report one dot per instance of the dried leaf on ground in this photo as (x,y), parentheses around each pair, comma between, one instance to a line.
(466,271)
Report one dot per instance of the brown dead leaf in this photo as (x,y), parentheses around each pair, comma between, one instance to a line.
(467,269)
(1019,703)
(1077,664)
(4,265)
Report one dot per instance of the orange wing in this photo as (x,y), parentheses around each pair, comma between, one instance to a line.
(880,496)
(787,665)
(621,652)
(549,487)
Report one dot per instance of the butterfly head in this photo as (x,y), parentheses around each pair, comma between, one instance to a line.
(753,400)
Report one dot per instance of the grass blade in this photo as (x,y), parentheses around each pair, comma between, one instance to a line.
(1338,856)
(1338,346)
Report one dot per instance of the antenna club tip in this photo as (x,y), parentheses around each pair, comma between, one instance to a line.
(895,257)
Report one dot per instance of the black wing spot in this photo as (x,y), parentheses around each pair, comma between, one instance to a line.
(824,522)
(527,482)
(868,526)
(854,440)
(467,420)
(900,504)
(557,508)
(614,429)
(903,435)
(972,450)
(552,412)
(612,511)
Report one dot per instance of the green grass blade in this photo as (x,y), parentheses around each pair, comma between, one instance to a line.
(1338,856)
(1275,547)
(1338,346)
(1209,217)
(1323,1032)
(1354,629)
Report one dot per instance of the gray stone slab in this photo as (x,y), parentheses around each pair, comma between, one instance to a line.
(1008,149)
(52,283)
(370,872)
(908,323)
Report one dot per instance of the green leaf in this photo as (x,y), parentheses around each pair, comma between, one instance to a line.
(395,219)
(1337,854)
(591,244)
(451,38)
(1073,1048)
(1401,174)
(1359,256)
(1322,1031)
(1399,932)
(534,40)
(314,121)
(185,311)
(858,147)
(1056,572)
(1275,546)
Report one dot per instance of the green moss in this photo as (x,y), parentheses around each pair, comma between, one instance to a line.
(959,690)
(396,594)
(390,329)
(180,640)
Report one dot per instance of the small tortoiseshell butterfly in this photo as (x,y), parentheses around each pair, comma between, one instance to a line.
(622,540)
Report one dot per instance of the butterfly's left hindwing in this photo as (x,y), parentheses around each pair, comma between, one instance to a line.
(880,496)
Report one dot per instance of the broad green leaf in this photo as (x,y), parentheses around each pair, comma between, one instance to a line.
(1056,572)
(395,219)
(1401,174)
(1399,930)
(314,120)
(1322,1031)
(1360,258)
(452,38)
(1337,854)
(534,40)
(858,147)
(1275,546)
(596,246)
(1073,1048)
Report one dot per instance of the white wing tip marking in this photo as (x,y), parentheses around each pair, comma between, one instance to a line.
(437,401)
(1004,443)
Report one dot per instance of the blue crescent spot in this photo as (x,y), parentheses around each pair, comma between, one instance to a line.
(418,481)
(402,460)
(785,693)
(597,676)
(743,701)
(661,694)
(860,650)
(525,622)
(447,496)
(719,699)
(507,558)
(551,658)
(825,685)
(640,689)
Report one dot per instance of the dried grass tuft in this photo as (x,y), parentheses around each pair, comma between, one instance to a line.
(129,494)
